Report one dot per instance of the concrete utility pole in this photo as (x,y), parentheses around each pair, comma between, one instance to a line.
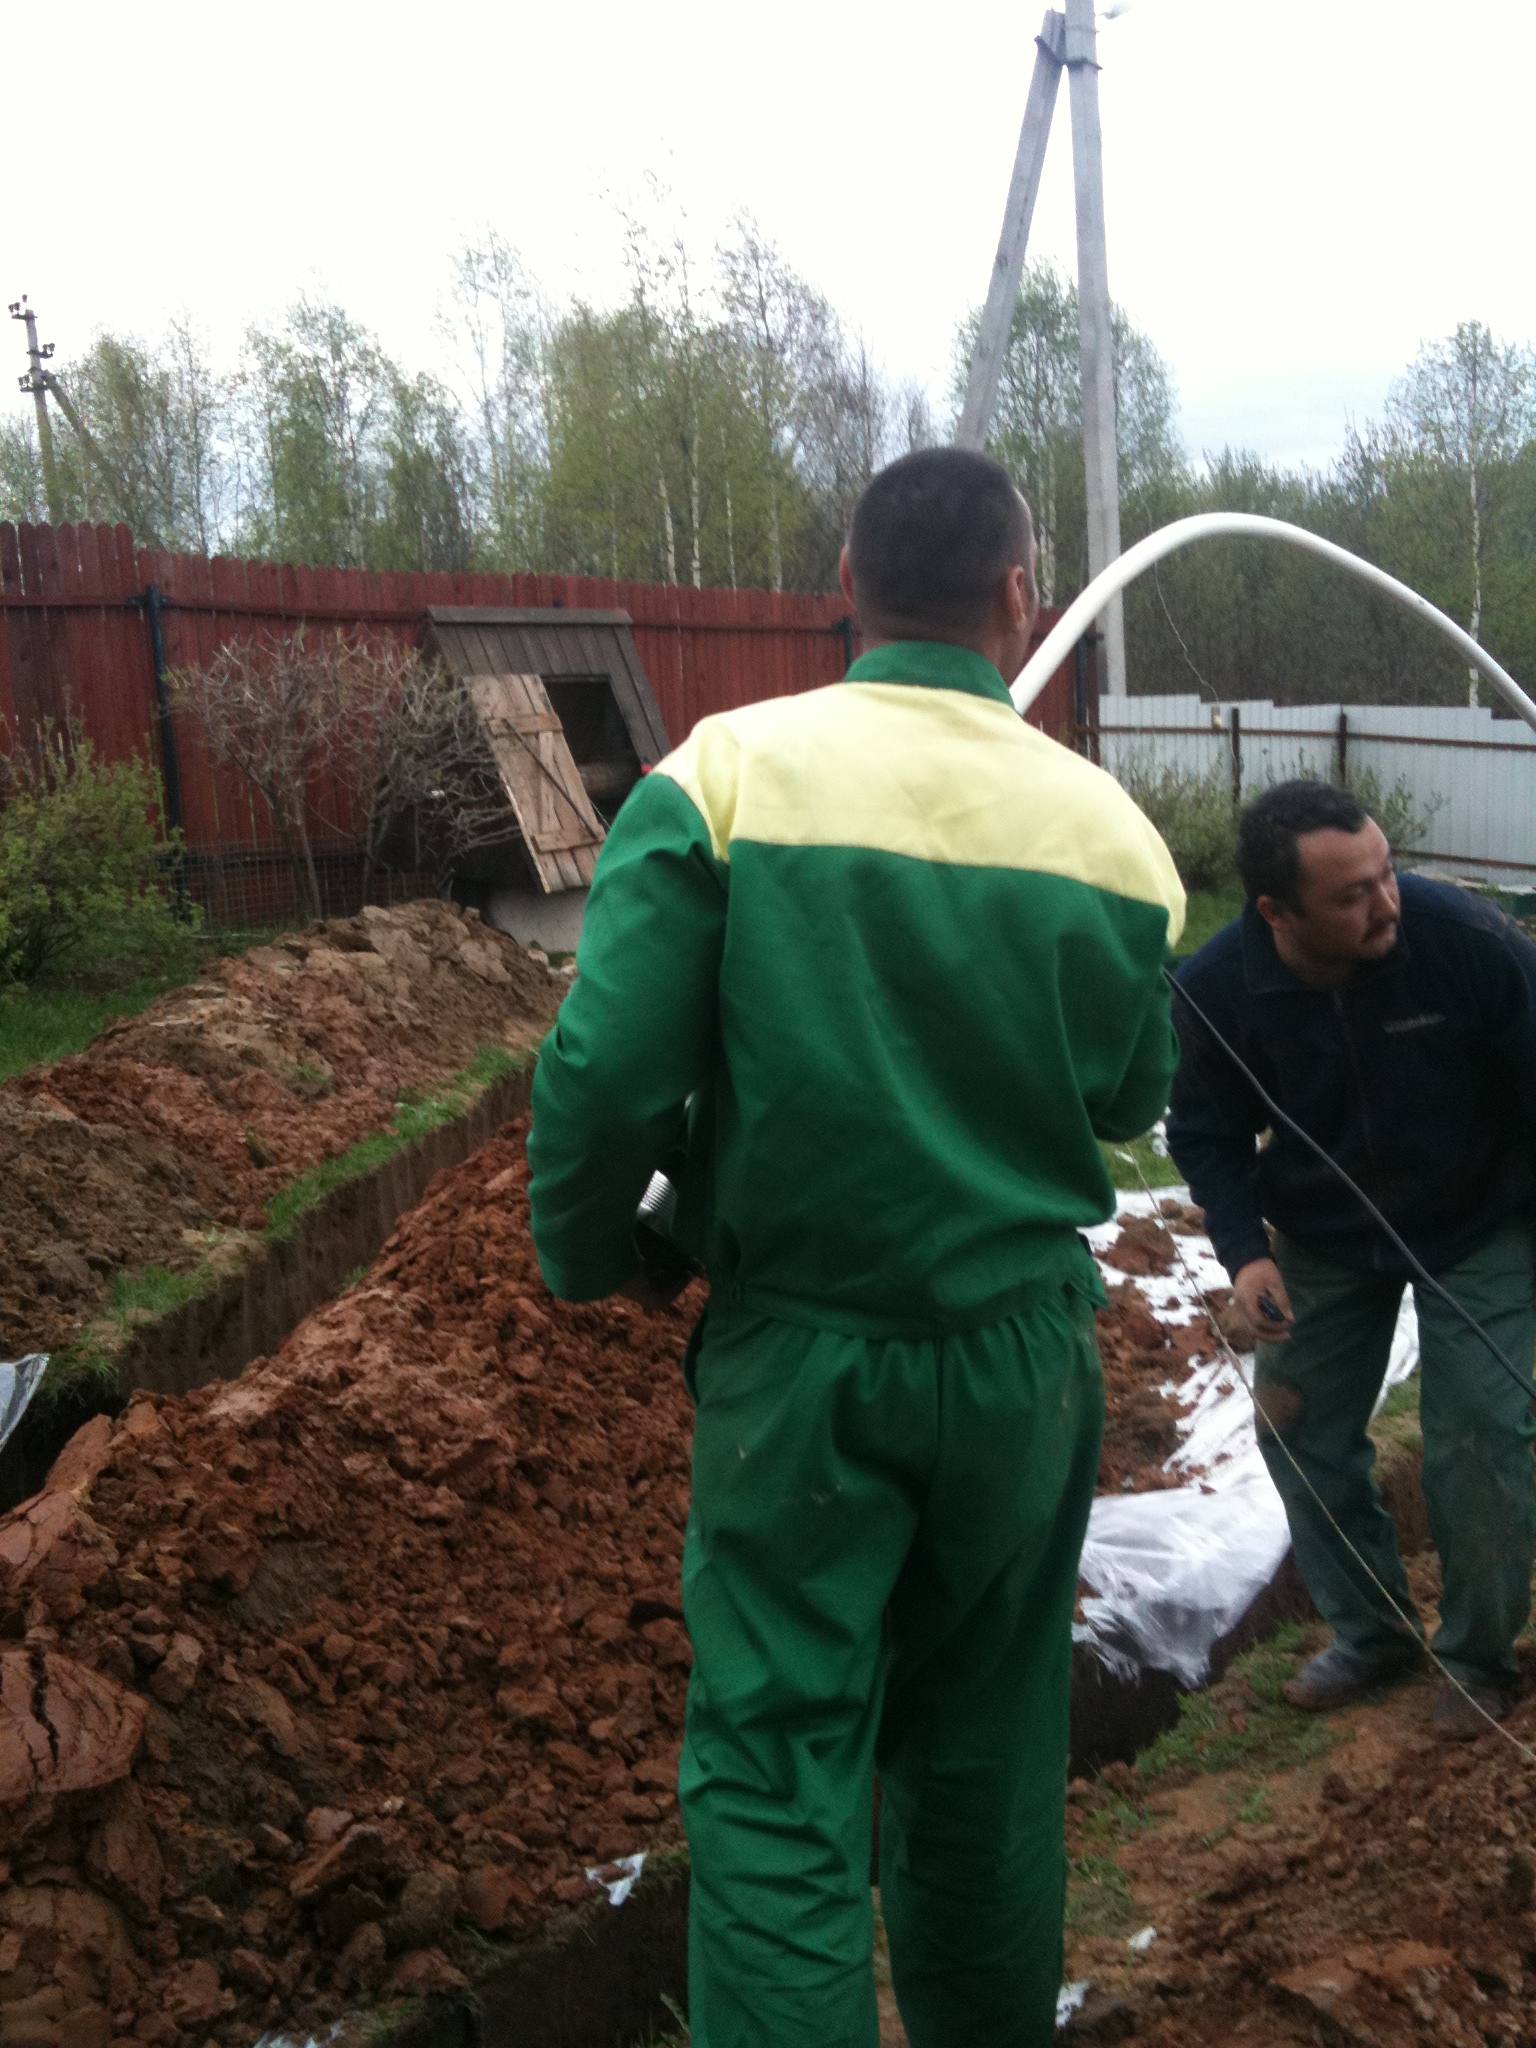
(37,381)
(1095,341)
(1008,265)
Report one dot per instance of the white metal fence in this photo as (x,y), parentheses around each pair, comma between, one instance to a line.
(1471,775)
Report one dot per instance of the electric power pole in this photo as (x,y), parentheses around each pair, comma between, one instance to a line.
(1008,265)
(1095,338)
(37,381)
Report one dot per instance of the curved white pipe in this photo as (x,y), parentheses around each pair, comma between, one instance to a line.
(1083,609)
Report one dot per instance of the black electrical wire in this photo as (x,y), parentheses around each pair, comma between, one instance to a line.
(1421,1273)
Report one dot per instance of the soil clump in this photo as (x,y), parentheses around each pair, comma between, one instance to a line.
(180,1123)
(1145,1358)
(322,1680)
(1378,1894)
(319,1686)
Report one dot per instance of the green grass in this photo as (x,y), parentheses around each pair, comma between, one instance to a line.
(1160,1172)
(1255,1810)
(1242,1723)
(412,1121)
(1395,1428)
(1098,1898)
(156,1291)
(1208,911)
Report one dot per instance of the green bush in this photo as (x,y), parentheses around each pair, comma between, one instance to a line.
(1194,816)
(82,868)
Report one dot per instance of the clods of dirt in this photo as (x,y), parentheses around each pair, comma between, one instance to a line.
(184,1120)
(1376,1894)
(321,1680)
(1146,1359)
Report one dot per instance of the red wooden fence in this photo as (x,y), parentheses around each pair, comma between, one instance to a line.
(76,639)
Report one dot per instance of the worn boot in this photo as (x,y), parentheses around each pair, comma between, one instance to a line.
(1338,1676)
(1465,1712)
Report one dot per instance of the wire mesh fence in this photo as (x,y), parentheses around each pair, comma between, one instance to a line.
(240,888)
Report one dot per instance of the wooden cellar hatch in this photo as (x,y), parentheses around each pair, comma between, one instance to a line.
(568,710)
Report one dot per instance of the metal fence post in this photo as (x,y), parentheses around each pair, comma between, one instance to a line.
(1237,757)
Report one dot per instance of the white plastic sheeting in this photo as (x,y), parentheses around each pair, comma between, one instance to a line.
(1172,1572)
(19,1381)
(618,1879)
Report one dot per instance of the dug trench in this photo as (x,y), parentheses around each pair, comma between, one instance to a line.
(322,1690)
(177,1197)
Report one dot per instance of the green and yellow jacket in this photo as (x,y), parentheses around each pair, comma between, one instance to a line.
(886,960)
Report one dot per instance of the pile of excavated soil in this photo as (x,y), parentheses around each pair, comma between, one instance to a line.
(320,1680)
(187,1118)
(1379,1894)
(315,1685)
(1146,1358)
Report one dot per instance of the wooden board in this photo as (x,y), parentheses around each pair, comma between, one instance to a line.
(554,642)
(543,784)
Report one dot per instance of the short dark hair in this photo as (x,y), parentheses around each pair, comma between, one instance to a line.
(931,539)
(1268,858)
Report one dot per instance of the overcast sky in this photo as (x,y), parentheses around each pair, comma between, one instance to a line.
(1296,198)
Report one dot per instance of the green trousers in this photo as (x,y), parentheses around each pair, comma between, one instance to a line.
(879,1574)
(1319,1390)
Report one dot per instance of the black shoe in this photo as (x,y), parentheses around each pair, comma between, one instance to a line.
(1338,1676)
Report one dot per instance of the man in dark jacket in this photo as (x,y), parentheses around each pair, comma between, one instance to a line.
(1395,1020)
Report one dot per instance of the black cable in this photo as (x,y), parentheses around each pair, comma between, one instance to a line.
(1421,1272)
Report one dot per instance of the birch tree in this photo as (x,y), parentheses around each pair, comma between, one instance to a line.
(1468,403)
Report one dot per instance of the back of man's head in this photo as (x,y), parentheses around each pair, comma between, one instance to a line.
(1268,857)
(931,540)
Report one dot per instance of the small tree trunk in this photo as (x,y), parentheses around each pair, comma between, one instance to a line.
(693,506)
(666,524)
(1476,626)
(730,532)
(775,552)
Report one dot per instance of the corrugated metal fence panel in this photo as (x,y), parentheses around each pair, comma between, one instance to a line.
(1470,776)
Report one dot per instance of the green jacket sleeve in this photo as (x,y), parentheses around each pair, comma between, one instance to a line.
(632,1041)
(1142,1094)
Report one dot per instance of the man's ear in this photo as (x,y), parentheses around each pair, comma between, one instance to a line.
(1023,605)
(845,576)
(1272,910)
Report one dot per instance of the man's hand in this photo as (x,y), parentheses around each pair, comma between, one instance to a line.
(1260,1278)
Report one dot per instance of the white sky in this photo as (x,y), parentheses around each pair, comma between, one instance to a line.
(1296,198)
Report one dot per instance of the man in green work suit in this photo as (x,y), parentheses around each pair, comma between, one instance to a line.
(886,962)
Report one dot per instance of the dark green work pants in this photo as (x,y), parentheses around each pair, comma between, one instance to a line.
(879,1573)
(1320,1389)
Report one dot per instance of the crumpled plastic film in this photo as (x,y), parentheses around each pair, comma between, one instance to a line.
(19,1381)
(1170,1573)
(620,1877)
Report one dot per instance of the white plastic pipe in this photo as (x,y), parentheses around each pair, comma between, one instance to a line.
(1085,608)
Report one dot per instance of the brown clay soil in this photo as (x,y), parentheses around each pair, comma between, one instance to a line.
(184,1120)
(1143,1356)
(317,1687)
(319,1681)
(1383,1895)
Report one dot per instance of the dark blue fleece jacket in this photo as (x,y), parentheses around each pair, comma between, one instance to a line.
(1418,1077)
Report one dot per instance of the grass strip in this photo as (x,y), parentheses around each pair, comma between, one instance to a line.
(156,1291)
(1264,1733)
(1122,1161)
(412,1121)
(1098,1898)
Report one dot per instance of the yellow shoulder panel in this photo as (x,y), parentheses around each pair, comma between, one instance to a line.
(938,775)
